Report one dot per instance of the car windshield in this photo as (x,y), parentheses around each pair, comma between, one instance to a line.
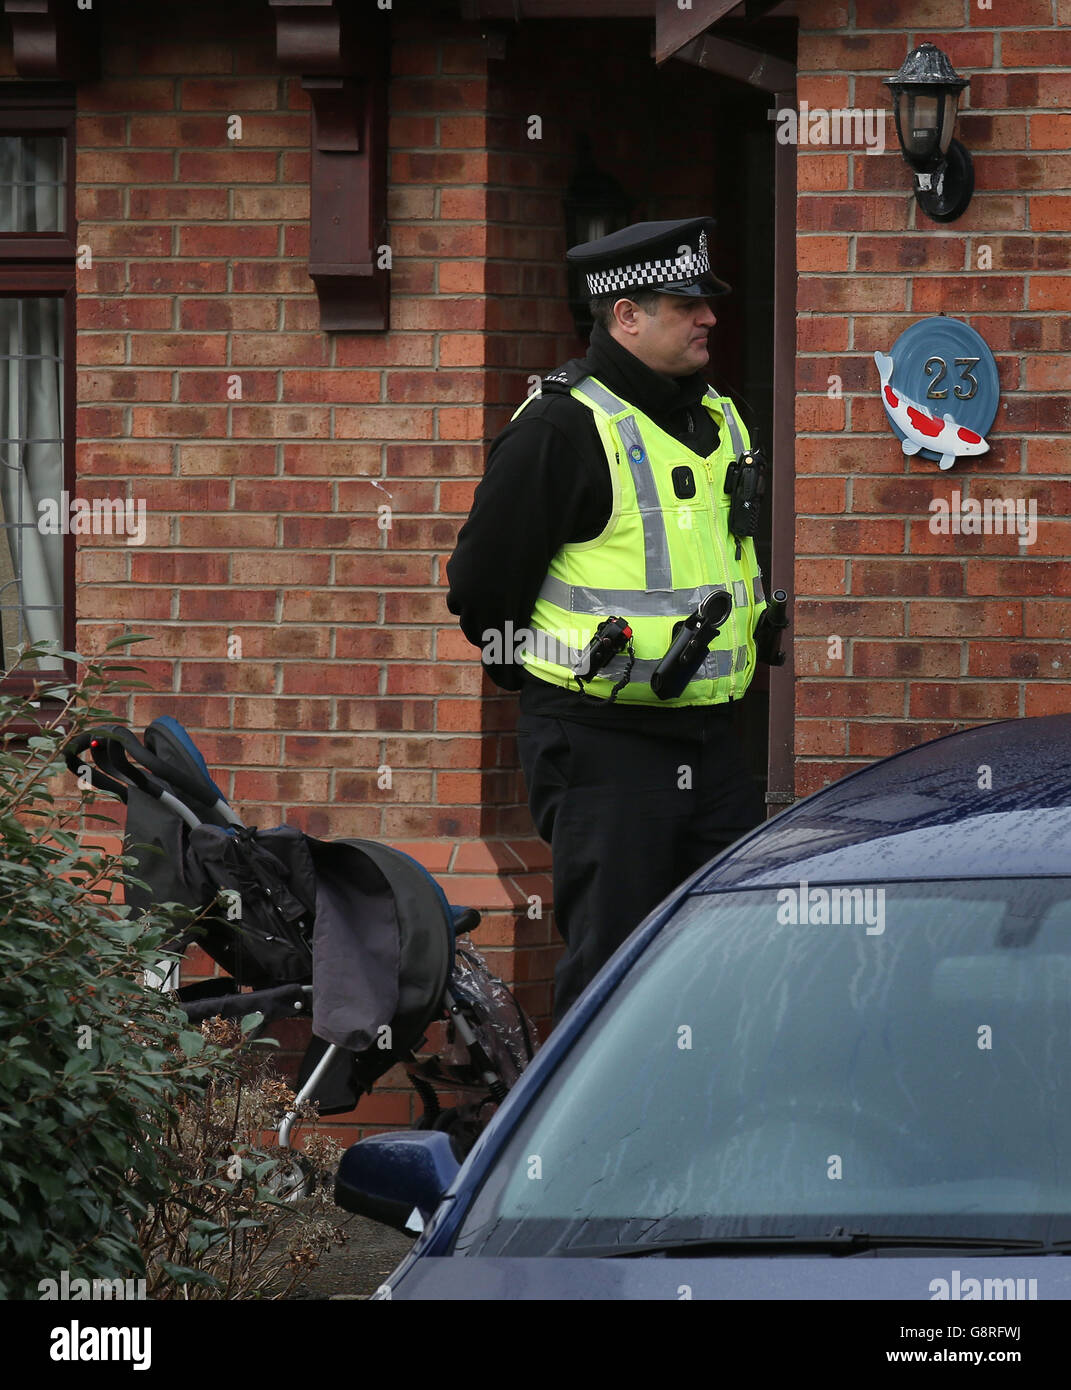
(888,1059)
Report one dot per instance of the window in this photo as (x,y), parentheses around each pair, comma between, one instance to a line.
(37,289)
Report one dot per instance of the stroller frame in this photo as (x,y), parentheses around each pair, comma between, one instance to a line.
(167,773)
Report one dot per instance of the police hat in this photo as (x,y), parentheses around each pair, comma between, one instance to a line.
(670,257)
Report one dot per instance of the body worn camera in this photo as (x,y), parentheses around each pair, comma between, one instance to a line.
(611,637)
(691,642)
(773,622)
(745,482)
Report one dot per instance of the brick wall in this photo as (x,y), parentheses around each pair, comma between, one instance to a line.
(939,631)
(263,511)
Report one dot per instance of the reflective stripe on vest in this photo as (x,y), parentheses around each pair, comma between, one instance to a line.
(638,602)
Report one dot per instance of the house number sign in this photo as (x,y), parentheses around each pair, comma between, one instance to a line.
(940,389)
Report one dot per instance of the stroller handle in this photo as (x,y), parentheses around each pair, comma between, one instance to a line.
(73,757)
(200,790)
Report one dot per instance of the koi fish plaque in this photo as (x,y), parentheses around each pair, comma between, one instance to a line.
(940,390)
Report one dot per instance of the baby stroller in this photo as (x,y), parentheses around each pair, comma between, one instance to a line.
(355,935)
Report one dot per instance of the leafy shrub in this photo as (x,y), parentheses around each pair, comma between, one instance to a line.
(100,1073)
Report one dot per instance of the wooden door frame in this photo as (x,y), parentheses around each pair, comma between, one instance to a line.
(774,75)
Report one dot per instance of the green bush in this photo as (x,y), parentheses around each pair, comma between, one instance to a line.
(97,1068)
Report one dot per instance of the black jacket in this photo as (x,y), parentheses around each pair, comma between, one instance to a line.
(547,483)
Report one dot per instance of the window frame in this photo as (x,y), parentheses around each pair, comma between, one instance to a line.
(42,264)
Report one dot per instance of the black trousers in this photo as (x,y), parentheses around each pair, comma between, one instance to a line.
(628,817)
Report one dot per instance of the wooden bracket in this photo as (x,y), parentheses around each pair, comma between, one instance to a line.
(343,60)
(54,39)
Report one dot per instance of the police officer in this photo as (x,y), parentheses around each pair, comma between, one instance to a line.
(605,497)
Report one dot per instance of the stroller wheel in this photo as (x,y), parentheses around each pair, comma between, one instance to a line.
(295,1181)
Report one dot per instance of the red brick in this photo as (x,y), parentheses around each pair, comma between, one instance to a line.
(125,169)
(100,422)
(178,349)
(439,168)
(173,56)
(934,294)
(820,736)
(1047,699)
(881,740)
(1019,171)
(123,386)
(819,413)
(462,204)
(964,50)
(1013,660)
(279,349)
(182,421)
(1049,49)
(823,53)
(98,204)
(225,314)
(438,94)
(175,567)
(228,166)
(384,569)
(179,277)
(905,658)
(890,14)
(178,131)
(230,94)
(124,459)
(181,204)
(99,130)
(151,94)
(279,129)
(232,240)
(927,253)
(974,618)
(1014,14)
(226,460)
(1049,292)
(964,700)
(1033,577)
(332,387)
(270,204)
(273,277)
(382,422)
(138,314)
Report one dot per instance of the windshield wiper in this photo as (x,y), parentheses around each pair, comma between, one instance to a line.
(838,1242)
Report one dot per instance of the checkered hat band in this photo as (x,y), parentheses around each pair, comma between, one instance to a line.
(629,277)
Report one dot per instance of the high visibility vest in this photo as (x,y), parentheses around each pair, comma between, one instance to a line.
(658,556)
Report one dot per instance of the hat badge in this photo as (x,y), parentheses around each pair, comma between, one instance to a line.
(703,243)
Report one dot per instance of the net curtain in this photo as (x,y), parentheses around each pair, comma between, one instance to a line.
(31,409)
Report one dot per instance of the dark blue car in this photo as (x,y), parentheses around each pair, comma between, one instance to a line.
(835,1064)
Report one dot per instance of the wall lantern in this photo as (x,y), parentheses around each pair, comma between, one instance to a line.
(595,205)
(925,98)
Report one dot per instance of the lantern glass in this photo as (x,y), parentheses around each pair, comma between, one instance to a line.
(948,123)
(919,114)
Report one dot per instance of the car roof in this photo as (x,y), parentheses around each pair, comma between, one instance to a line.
(930,812)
